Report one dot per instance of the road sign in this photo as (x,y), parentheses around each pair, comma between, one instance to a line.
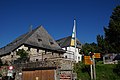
(97,55)
(88,60)
(86,57)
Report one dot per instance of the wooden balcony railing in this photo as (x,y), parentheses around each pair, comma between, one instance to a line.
(37,64)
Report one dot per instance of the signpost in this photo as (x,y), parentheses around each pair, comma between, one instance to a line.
(96,55)
(90,60)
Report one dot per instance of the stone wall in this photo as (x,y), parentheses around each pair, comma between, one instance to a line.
(34,54)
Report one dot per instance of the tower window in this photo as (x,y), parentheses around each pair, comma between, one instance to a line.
(66,56)
(78,58)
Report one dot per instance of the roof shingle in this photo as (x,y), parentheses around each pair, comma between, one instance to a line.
(65,42)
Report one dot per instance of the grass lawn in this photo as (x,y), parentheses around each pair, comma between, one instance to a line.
(103,72)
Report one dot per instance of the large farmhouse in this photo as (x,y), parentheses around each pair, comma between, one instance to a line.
(46,59)
(37,42)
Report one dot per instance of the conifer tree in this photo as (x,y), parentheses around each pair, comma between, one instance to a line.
(112,32)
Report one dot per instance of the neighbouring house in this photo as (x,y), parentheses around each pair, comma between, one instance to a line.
(117,57)
(111,58)
(46,57)
(71,53)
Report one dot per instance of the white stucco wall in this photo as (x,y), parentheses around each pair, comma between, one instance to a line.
(72,54)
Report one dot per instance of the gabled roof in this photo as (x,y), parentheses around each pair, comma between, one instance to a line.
(65,42)
(117,57)
(38,37)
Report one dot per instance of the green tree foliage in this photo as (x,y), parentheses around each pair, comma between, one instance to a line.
(22,53)
(112,32)
(86,48)
(82,70)
(102,45)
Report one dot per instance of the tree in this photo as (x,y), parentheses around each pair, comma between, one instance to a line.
(86,48)
(102,45)
(23,54)
(112,32)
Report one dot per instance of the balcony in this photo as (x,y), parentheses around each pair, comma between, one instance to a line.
(36,65)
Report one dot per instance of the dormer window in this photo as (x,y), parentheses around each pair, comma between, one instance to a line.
(39,40)
(51,43)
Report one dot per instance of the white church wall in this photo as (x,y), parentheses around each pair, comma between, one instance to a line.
(72,54)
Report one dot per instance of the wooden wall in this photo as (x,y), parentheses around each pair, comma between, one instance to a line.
(39,75)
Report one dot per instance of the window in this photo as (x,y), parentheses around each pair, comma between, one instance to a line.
(38,50)
(65,56)
(28,49)
(11,56)
(45,52)
(78,58)
(36,59)
(51,43)
(52,53)
(66,48)
(59,54)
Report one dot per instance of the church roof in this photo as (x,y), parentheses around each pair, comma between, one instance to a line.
(38,37)
(65,42)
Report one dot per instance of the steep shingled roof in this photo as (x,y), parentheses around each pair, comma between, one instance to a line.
(65,42)
(38,37)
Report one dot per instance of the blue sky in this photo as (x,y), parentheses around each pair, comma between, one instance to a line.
(56,16)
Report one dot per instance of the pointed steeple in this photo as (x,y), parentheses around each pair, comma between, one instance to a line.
(73,39)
